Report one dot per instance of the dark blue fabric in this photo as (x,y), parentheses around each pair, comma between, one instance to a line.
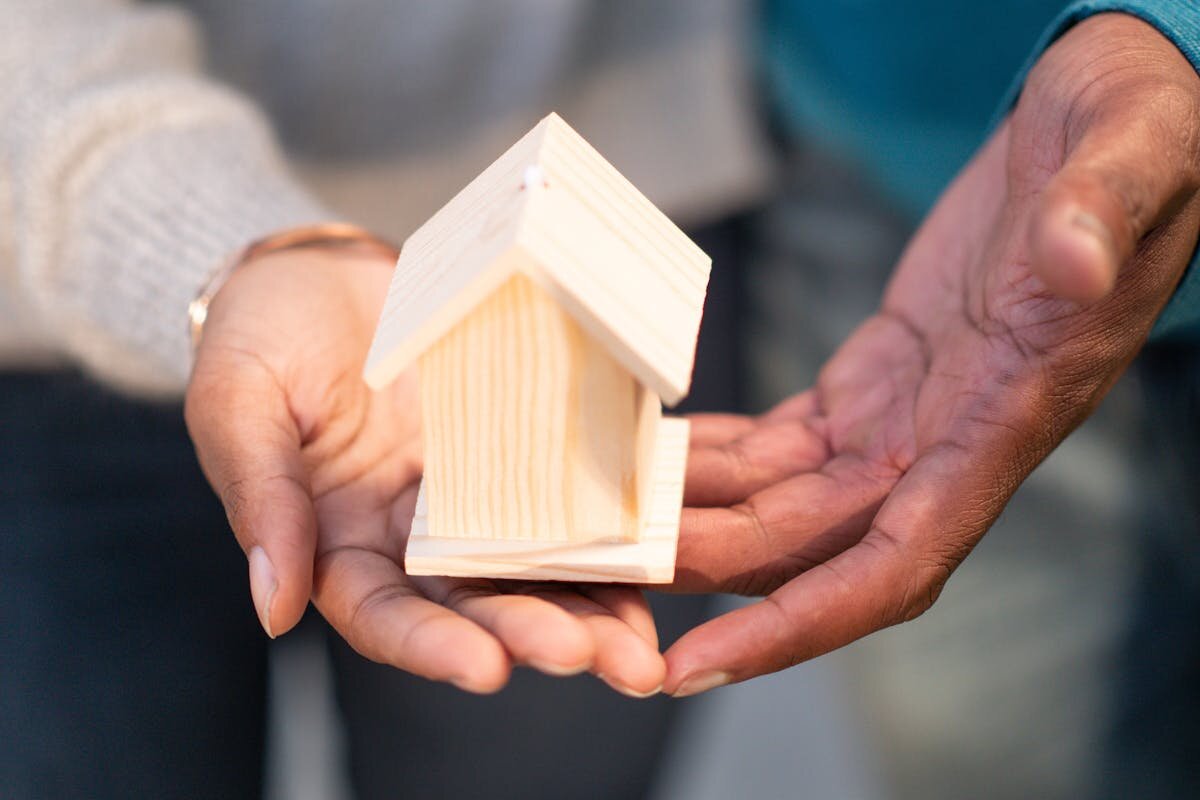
(1153,747)
(130,662)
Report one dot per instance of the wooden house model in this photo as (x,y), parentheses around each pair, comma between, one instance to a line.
(551,310)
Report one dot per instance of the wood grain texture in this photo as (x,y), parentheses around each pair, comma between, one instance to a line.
(452,263)
(617,264)
(551,317)
(649,418)
(649,560)
(530,427)
(630,276)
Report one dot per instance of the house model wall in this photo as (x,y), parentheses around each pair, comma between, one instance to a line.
(550,309)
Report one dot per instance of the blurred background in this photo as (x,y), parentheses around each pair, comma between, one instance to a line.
(799,142)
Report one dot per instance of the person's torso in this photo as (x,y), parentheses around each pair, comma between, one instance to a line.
(389,107)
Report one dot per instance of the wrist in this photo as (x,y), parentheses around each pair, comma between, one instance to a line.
(333,237)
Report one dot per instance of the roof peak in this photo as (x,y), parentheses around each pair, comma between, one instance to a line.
(551,207)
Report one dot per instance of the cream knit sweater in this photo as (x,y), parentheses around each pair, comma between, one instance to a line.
(127,172)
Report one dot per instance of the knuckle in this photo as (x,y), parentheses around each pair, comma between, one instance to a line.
(420,644)
(364,640)
(236,500)
(357,615)
(793,650)
(927,576)
(922,593)
(924,588)
(248,499)
(464,594)
(761,582)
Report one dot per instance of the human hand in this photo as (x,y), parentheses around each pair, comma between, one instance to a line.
(1022,298)
(318,476)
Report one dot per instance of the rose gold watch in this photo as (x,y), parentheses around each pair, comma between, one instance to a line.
(326,235)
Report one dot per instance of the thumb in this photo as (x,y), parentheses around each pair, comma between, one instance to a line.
(249,448)
(1124,177)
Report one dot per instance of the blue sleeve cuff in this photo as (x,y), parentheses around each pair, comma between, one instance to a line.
(1179,21)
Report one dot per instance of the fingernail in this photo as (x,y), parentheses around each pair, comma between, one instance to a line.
(472,686)
(559,670)
(628,691)
(1092,225)
(701,682)
(262,586)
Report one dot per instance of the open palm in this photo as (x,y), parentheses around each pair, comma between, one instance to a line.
(851,504)
(319,475)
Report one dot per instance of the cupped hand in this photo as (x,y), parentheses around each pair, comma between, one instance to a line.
(1022,298)
(318,476)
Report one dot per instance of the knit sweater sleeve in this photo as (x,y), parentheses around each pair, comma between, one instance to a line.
(1179,21)
(125,178)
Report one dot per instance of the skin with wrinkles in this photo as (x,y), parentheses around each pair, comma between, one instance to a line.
(321,473)
(1024,295)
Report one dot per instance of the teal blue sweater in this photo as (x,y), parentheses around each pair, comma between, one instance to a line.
(908,88)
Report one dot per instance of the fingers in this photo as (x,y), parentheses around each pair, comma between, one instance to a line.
(368,599)
(626,660)
(930,521)
(830,605)
(627,604)
(732,456)
(533,631)
(249,448)
(713,430)
(803,406)
(728,473)
(750,547)
(1130,170)
(561,631)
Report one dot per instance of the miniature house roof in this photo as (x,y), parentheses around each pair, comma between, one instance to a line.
(552,208)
